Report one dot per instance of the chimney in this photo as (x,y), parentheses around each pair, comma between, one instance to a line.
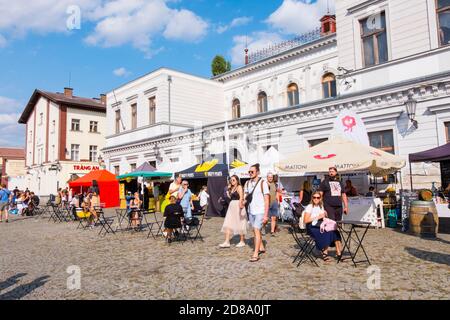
(328,25)
(68,92)
(103,99)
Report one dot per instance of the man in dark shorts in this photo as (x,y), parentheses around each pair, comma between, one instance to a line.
(333,195)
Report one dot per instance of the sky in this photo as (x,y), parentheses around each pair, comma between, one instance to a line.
(95,46)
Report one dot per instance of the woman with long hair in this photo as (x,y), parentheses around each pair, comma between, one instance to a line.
(313,217)
(236,218)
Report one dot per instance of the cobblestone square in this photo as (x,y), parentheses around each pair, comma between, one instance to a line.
(35,256)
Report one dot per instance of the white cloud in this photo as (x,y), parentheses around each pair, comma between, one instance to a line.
(256,41)
(8,105)
(11,132)
(236,22)
(298,16)
(19,17)
(116,22)
(139,21)
(121,72)
(185,25)
(2,41)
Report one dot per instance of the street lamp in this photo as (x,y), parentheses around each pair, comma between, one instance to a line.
(101,162)
(411,105)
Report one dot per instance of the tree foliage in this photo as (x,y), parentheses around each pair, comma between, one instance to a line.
(219,65)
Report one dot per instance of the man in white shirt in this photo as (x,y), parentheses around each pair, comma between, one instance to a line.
(257,197)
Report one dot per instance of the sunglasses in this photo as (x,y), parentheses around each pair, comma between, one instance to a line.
(251,172)
(316,197)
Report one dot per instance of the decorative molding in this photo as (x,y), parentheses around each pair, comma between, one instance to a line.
(133,97)
(151,90)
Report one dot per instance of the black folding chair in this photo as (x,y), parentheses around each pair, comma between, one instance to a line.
(152,222)
(305,244)
(196,228)
(105,223)
(121,215)
(55,214)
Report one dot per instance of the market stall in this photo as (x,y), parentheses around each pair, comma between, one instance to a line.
(441,155)
(138,176)
(348,157)
(213,172)
(108,186)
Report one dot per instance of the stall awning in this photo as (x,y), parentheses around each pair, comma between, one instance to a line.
(98,175)
(214,166)
(438,154)
(146,171)
(345,155)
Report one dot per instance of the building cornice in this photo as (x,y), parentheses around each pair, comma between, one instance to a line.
(325,41)
(364,103)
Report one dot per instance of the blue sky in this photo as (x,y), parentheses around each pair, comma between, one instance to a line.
(120,40)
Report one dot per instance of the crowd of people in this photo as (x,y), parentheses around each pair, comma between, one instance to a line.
(16,202)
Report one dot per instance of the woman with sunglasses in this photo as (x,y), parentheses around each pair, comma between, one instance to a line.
(313,216)
(236,218)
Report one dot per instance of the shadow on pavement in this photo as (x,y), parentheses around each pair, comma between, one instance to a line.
(11,281)
(435,257)
(25,289)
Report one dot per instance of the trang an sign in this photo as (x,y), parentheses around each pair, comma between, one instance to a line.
(80,167)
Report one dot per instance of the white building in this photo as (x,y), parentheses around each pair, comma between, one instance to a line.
(64,138)
(287,96)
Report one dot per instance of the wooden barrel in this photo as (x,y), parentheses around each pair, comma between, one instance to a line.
(423,219)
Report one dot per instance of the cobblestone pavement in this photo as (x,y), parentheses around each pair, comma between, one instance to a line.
(35,256)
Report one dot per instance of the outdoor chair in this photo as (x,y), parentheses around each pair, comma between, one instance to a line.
(305,244)
(83,218)
(193,231)
(121,215)
(154,222)
(105,223)
(56,214)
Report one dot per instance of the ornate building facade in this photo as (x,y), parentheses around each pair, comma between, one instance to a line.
(367,59)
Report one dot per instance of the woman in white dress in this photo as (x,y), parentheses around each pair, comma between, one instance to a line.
(236,218)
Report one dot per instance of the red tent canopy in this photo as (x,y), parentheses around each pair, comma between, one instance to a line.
(107,184)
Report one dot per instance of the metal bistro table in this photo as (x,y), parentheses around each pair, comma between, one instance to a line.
(352,235)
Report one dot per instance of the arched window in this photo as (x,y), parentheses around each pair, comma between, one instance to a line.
(262,102)
(329,85)
(293,96)
(236,109)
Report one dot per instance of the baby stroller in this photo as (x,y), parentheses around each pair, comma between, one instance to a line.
(286,210)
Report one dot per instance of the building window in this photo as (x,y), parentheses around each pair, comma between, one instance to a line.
(93,153)
(132,167)
(443,20)
(134,116)
(293,96)
(262,102)
(93,126)
(383,140)
(236,109)
(75,125)
(447,131)
(75,152)
(374,39)
(41,118)
(118,121)
(116,170)
(152,110)
(315,142)
(329,85)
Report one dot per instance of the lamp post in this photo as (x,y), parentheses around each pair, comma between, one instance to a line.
(411,105)
(169,80)
(101,162)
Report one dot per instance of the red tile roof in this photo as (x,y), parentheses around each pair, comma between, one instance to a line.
(12,153)
(60,98)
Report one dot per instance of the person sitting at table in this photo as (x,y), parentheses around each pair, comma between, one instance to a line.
(173,214)
(135,205)
(349,189)
(371,192)
(313,217)
(93,204)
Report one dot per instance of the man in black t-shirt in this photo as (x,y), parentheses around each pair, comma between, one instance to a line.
(333,195)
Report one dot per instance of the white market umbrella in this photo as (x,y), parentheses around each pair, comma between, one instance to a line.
(345,155)
(267,162)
